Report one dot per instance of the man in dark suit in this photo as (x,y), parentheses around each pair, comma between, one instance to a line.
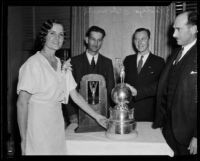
(91,61)
(177,90)
(142,71)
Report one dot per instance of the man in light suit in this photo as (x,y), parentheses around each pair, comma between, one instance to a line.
(177,90)
(142,71)
(92,62)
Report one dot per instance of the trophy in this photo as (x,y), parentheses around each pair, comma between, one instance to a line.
(93,87)
(121,123)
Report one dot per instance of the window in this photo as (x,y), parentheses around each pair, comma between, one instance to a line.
(185,6)
(33,17)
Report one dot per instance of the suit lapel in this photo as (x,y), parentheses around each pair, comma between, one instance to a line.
(146,64)
(85,63)
(99,64)
(134,65)
(187,60)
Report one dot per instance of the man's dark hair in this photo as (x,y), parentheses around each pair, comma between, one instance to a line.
(142,29)
(192,18)
(95,29)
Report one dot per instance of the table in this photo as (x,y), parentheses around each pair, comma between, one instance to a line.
(148,142)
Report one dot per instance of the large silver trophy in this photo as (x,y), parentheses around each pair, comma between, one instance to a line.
(121,123)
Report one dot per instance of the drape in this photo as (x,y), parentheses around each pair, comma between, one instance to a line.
(79,26)
(164,17)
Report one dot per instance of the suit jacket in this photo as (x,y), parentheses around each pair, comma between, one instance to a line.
(146,84)
(184,103)
(104,67)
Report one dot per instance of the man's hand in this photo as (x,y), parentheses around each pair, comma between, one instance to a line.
(193,146)
(133,90)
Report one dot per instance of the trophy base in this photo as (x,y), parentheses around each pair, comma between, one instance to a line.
(113,136)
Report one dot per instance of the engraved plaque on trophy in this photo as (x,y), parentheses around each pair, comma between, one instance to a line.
(93,89)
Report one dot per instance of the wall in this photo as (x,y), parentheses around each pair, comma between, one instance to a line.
(119,24)
(15,57)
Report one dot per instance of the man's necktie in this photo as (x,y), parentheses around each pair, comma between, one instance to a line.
(178,56)
(140,64)
(93,63)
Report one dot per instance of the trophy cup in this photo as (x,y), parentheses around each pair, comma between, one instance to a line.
(121,123)
(93,87)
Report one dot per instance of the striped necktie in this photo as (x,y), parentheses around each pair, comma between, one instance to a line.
(140,64)
(178,56)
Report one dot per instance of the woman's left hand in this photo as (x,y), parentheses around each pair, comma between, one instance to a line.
(103,121)
(67,65)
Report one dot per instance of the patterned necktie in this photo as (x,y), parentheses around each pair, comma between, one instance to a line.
(93,63)
(178,56)
(140,64)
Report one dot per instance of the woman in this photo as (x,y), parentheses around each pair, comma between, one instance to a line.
(42,86)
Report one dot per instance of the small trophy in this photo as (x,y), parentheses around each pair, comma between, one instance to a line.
(93,87)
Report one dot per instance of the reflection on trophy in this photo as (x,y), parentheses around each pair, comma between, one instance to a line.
(121,124)
(93,87)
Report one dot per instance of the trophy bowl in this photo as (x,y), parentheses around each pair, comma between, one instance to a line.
(121,94)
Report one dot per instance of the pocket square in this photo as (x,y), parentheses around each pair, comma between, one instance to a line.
(193,72)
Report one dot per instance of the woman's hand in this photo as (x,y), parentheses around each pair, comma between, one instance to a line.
(133,90)
(193,146)
(103,121)
(81,102)
(67,65)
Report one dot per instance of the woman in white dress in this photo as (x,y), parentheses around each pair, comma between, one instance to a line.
(42,87)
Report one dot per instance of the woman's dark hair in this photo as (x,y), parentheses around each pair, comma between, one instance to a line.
(41,37)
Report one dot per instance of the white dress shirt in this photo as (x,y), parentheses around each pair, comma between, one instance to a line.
(145,56)
(89,56)
(186,48)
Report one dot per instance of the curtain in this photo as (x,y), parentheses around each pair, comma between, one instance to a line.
(164,17)
(80,24)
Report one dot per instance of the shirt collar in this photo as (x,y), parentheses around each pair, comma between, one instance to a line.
(89,56)
(188,46)
(144,56)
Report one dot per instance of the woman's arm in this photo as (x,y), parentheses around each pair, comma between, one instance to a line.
(22,115)
(80,101)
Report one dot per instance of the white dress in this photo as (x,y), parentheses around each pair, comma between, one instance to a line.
(45,126)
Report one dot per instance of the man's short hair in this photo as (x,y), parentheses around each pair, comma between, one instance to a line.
(142,29)
(95,29)
(192,18)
